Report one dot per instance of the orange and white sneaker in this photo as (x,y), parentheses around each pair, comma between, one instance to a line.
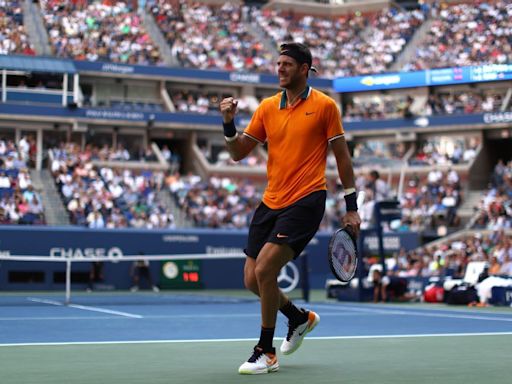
(297,332)
(260,362)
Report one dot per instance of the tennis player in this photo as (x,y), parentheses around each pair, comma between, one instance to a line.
(297,124)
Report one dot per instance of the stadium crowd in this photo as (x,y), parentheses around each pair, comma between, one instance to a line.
(445,151)
(98,30)
(495,208)
(229,36)
(470,33)
(108,197)
(381,106)
(20,203)
(13,36)
(211,37)
(347,45)
(254,159)
(208,102)
(216,202)
(433,202)
(452,258)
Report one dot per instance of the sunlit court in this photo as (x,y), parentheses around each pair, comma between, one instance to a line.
(288,191)
(192,337)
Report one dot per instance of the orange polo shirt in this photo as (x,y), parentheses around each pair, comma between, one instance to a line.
(297,138)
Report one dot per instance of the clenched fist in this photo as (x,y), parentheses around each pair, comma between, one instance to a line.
(228,109)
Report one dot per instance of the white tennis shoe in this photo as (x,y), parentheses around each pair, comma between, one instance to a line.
(259,363)
(296,333)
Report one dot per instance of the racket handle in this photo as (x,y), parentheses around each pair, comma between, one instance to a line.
(360,199)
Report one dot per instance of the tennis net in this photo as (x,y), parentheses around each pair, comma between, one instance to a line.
(162,279)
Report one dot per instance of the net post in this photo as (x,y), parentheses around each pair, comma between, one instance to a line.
(68,281)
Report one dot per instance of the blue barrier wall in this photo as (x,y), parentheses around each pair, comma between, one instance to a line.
(202,121)
(58,242)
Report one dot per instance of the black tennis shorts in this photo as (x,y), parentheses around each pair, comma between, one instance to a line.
(294,225)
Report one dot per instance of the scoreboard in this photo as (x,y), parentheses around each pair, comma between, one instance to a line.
(181,274)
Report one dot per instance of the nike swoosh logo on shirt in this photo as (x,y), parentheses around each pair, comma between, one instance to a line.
(279,236)
(309,113)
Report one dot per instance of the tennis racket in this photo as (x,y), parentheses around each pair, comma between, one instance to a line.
(342,252)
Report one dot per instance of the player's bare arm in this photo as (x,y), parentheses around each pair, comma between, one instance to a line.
(238,146)
(346,173)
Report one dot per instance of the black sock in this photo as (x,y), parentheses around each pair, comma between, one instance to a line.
(266,338)
(294,314)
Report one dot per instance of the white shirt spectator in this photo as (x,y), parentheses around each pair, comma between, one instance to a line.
(453,177)
(116,190)
(469,154)
(434,176)
(5,182)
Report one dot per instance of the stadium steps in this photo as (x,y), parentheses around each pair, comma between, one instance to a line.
(159,39)
(471,200)
(54,211)
(259,35)
(410,49)
(180,219)
(34,25)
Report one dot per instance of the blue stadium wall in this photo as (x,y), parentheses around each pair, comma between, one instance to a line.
(76,242)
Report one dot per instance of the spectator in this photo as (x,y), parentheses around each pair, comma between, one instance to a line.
(98,31)
(13,36)
(466,34)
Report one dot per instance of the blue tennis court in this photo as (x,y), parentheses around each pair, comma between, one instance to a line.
(196,338)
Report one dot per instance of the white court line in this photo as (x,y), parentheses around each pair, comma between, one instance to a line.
(86,308)
(389,307)
(407,336)
(44,301)
(412,313)
(59,318)
(103,310)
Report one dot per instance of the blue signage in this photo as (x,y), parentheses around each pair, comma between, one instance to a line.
(188,73)
(84,243)
(432,77)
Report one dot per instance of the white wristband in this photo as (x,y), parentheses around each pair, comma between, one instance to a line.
(230,139)
(348,191)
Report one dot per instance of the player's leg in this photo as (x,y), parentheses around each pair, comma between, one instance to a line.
(261,361)
(271,259)
(294,314)
(295,227)
(251,282)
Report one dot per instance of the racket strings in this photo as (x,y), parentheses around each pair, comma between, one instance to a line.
(344,256)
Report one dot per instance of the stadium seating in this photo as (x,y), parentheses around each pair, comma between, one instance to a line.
(494,211)
(385,106)
(20,203)
(228,36)
(13,36)
(98,30)
(103,197)
(347,45)
(466,34)
(445,151)
(211,37)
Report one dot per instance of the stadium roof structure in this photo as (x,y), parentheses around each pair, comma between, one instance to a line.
(36,64)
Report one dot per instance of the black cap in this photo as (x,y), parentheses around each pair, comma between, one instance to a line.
(299,52)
